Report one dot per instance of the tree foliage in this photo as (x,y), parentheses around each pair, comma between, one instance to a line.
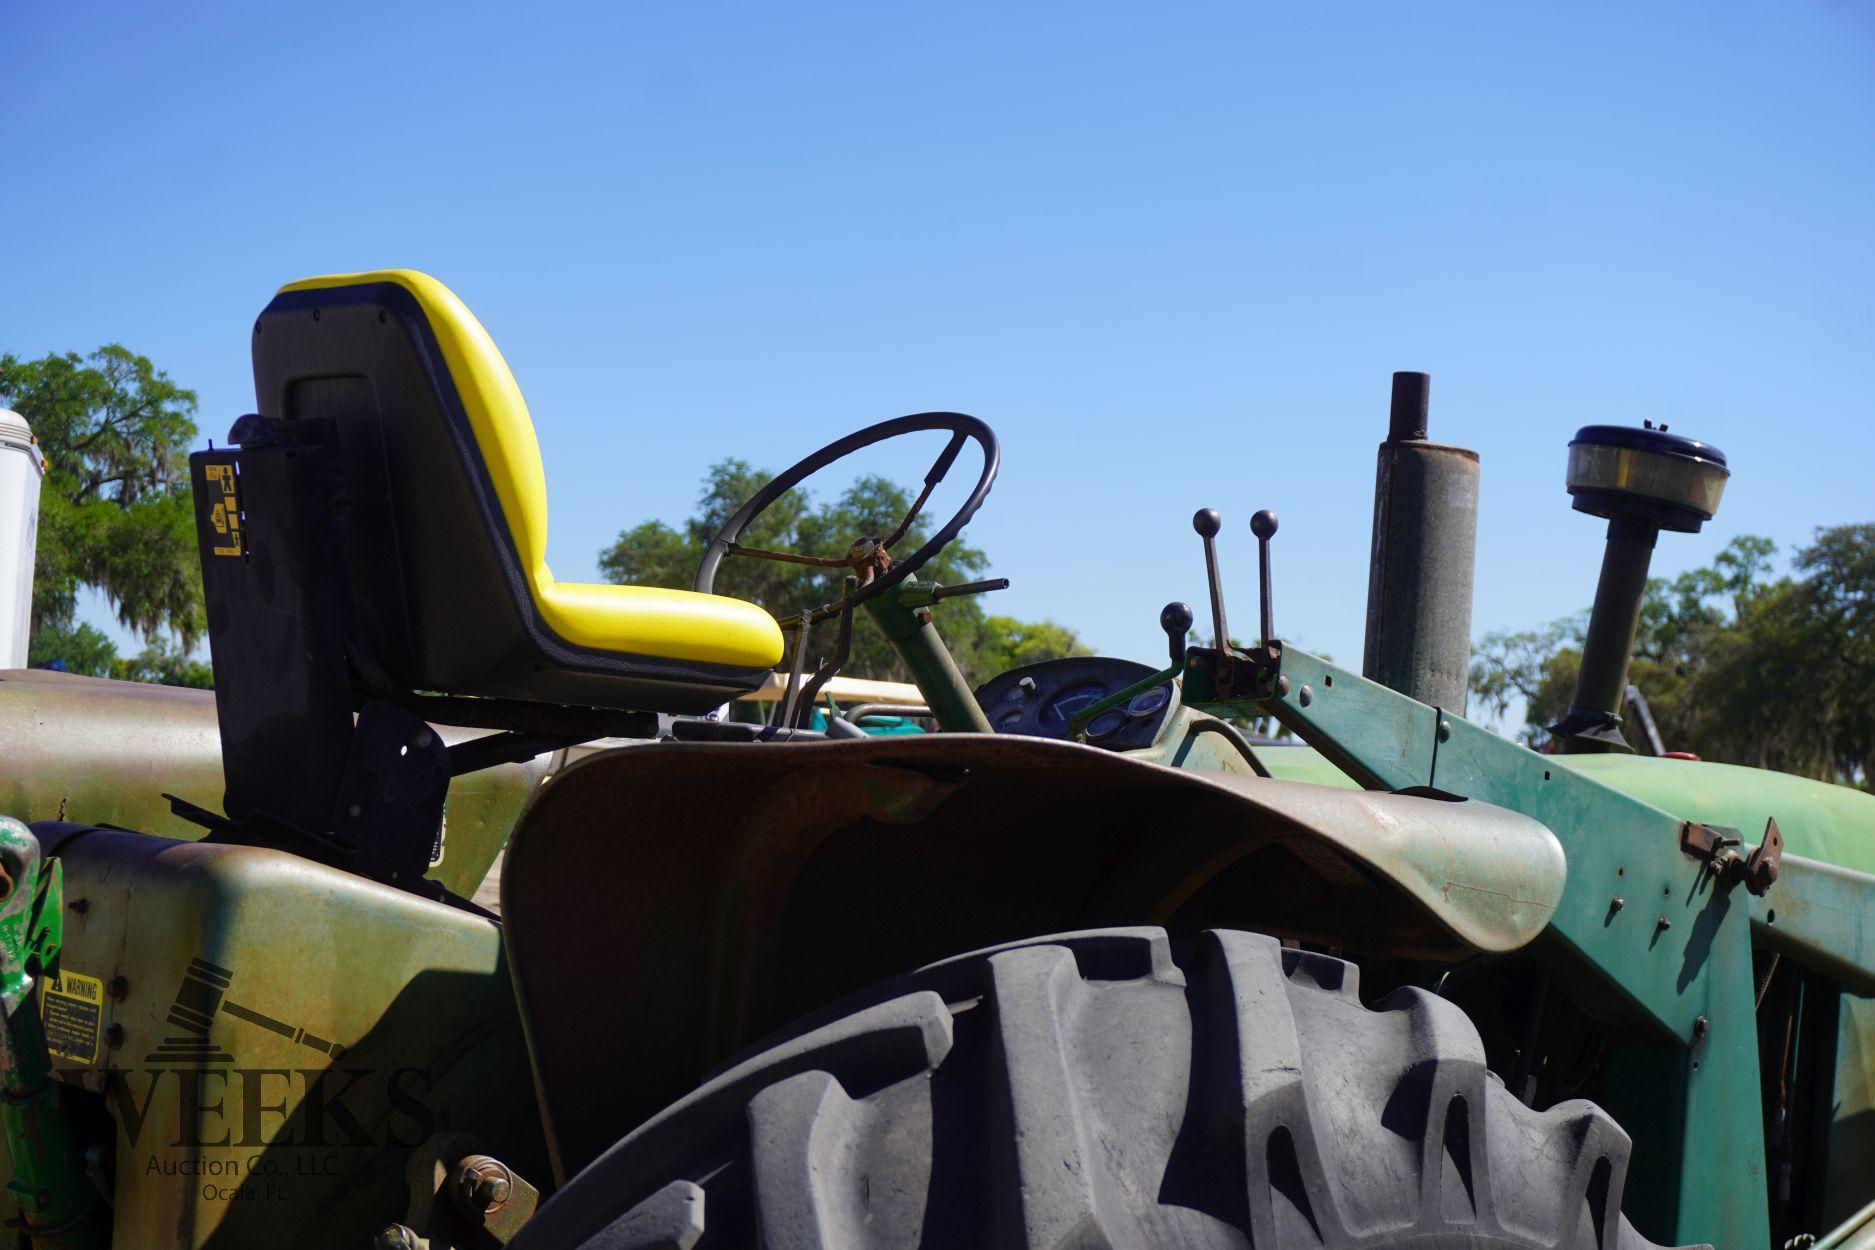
(73,647)
(166,664)
(1737,665)
(114,512)
(656,554)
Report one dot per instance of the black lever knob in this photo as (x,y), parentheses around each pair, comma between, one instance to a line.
(1263,525)
(1207,522)
(1175,619)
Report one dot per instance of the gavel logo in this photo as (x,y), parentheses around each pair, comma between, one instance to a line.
(202,995)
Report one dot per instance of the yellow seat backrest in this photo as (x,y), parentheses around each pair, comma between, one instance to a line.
(652,621)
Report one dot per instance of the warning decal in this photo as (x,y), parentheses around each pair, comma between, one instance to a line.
(74,1011)
(225,516)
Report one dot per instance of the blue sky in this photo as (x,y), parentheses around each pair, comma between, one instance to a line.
(1171,252)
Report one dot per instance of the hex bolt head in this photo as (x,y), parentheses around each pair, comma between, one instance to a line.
(1617,903)
(1701,1027)
(482,1186)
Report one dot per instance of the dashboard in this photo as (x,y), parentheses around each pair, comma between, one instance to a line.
(1041,699)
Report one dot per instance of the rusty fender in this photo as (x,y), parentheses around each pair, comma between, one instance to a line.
(717,891)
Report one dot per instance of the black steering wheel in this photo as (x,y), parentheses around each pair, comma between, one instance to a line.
(869,557)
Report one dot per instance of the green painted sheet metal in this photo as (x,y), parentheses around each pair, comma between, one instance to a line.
(1823,917)
(1301,763)
(1833,824)
(1617,846)
(1819,821)
(105,752)
(351,1020)
(1851,1181)
(1672,957)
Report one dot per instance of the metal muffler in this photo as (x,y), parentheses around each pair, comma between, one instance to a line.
(1425,541)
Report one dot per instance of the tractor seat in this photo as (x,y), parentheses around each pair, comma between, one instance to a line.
(444,522)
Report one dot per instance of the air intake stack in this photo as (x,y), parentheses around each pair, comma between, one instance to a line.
(1643,481)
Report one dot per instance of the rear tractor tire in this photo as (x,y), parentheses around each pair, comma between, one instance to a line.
(1110,1089)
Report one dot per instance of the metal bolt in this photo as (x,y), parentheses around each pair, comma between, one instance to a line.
(117,987)
(1701,1027)
(1445,730)
(1617,903)
(394,1237)
(1027,686)
(354,811)
(1282,687)
(482,1186)
(1305,696)
(1663,924)
(114,1036)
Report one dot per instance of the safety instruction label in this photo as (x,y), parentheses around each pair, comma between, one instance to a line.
(74,1015)
(225,515)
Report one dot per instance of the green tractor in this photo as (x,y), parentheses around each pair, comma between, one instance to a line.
(1091,966)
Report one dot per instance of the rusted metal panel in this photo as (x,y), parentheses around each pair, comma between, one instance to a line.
(276,1036)
(784,877)
(105,752)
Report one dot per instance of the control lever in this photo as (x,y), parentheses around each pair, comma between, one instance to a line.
(917,594)
(1263,525)
(1175,619)
(1207,522)
(1226,675)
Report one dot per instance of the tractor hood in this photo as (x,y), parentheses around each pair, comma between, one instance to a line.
(719,891)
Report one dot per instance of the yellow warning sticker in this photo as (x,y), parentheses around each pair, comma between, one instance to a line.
(225,516)
(74,1016)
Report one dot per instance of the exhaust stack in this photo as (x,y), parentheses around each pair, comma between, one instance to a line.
(1643,481)
(1419,576)
(21,468)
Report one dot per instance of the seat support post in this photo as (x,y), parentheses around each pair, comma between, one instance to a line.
(277,602)
(364,794)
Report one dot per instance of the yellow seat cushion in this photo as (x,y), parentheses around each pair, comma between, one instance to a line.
(670,624)
(630,620)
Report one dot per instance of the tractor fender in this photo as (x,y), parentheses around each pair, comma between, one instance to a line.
(666,905)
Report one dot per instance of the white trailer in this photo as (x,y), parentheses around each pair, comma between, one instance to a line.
(21,469)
